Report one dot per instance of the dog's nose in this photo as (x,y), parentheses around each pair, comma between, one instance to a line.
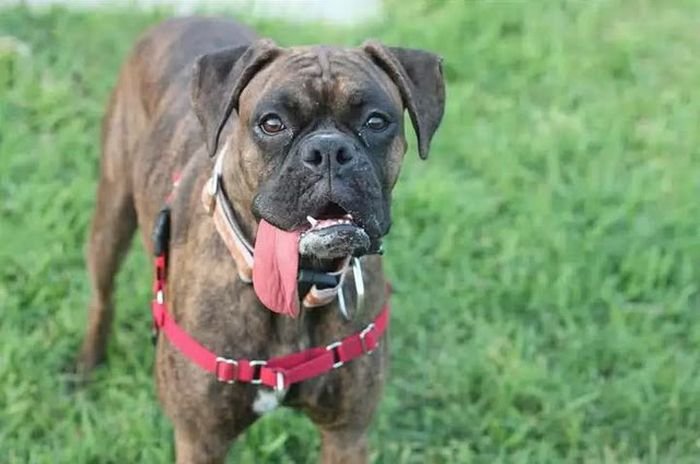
(323,152)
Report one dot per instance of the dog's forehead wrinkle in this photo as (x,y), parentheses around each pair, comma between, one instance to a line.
(323,77)
(301,60)
(359,80)
(325,64)
(361,66)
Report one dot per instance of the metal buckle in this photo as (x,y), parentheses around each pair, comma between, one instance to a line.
(212,185)
(254,363)
(332,348)
(160,297)
(279,384)
(220,360)
(363,334)
(213,182)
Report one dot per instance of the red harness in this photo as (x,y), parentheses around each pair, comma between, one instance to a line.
(277,373)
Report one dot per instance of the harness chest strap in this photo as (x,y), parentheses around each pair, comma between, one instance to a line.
(277,373)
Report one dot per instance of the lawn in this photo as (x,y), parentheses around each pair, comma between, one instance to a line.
(545,258)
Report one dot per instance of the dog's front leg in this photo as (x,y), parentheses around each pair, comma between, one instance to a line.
(344,422)
(344,446)
(207,416)
(195,446)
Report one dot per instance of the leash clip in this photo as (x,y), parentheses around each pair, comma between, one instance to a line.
(161,232)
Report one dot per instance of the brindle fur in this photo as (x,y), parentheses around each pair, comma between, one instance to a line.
(152,129)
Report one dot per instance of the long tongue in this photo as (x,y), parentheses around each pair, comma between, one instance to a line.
(275,268)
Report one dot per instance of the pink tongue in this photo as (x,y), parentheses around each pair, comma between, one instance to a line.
(275,268)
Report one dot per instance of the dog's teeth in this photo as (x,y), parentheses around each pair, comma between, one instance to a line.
(312,221)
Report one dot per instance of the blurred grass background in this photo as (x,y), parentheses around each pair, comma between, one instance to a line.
(545,257)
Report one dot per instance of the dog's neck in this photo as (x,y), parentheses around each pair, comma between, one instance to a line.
(236,187)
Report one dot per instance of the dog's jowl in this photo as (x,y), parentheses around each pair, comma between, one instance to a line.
(266,173)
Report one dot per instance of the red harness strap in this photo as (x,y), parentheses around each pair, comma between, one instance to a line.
(277,373)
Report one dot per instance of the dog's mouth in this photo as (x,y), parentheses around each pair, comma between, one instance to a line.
(325,244)
(332,236)
(332,214)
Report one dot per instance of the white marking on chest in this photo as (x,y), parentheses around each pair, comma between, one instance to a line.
(267,400)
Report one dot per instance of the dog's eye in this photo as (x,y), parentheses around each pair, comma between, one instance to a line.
(272,124)
(376,122)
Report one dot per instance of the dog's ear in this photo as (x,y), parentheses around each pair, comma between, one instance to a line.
(218,79)
(418,76)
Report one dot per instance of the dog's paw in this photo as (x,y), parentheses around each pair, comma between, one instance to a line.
(75,375)
(78,372)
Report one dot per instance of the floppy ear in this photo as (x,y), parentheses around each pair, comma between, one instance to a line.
(218,79)
(418,75)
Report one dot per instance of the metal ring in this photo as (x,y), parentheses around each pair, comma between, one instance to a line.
(341,303)
(333,345)
(363,334)
(358,278)
(332,348)
(254,363)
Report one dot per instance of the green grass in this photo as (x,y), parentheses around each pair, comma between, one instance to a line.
(545,257)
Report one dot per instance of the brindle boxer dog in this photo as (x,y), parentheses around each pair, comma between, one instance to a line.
(304,132)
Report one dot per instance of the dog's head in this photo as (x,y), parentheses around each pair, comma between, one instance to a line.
(317,133)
